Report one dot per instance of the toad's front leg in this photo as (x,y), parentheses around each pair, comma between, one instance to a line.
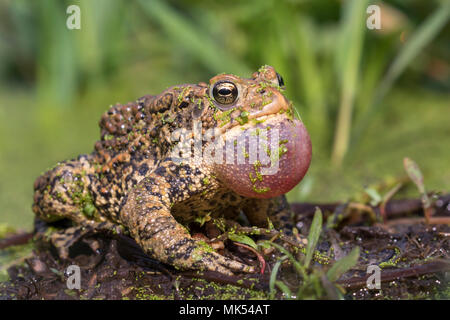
(147,215)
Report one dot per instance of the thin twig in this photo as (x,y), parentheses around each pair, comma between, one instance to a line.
(415,220)
(15,240)
(391,275)
(250,282)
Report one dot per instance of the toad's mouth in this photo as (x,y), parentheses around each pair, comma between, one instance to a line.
(275,106)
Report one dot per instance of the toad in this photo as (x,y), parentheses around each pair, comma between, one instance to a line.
(195,152)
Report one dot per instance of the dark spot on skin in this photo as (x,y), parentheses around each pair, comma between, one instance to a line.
(175,247)
(150,209)
(128,178)
(109,177)
(138,158)
(148,187)
(82,157)
(198,110)
(163,104)
(188,170)
(77,233)
(155,194)
(183,104)
(161,171)
(143,169)
(175,170)
(106,195)
(179,119)
(104,208)
(148,234)
(119,194)
(122,203)
(175,192)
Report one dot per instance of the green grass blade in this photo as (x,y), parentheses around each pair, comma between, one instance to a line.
(313,237)
(298,267)
(243,239)
(310,77)
(343,265)
(186,34)
(377,57)
(424,34)
(348,63)
(273,276)
(56,60)
(284,288)
(414,173)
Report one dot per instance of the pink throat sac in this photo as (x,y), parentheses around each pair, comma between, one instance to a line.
(286,148)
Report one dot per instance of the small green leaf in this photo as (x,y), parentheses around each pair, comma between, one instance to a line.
(89,210)
(4,276)
(243,239)
(56,271)
(414,173)
(374,196)
(313,237)
(264,244)
(343,265)
(284,288)
(299,268)
(273,276)
(270,224)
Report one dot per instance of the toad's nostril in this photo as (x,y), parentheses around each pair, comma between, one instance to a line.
(280,80)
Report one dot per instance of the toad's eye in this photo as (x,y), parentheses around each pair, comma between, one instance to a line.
(225,92)
(280,80)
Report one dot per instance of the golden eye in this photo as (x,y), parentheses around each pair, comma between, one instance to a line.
(225,92)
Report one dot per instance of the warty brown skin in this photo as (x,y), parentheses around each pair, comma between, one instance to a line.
(130,179)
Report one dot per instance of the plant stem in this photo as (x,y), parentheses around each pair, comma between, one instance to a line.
(348,62)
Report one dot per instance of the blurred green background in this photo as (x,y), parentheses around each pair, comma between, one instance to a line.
(368,97)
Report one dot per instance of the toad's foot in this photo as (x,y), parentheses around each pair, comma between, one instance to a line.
(62,239)
(147,215)
(166,240)
(200,256)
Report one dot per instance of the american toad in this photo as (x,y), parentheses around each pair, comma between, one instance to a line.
(139,179)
